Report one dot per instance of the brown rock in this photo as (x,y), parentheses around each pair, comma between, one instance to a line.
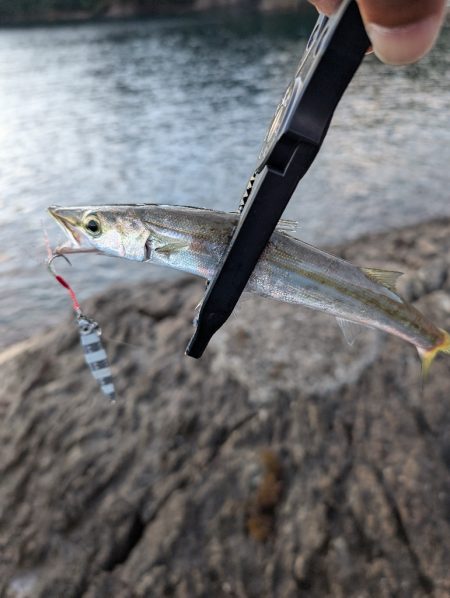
(282,464)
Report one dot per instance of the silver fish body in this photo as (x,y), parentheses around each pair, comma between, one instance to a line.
(289,270)
(193,240)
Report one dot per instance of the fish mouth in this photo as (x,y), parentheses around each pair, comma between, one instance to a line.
(69,222)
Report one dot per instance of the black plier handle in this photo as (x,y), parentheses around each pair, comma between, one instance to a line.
(333,54)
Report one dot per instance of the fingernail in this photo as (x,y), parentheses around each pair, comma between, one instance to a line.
(326,7)
(406,44)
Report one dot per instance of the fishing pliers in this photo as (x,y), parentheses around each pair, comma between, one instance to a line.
(333,54)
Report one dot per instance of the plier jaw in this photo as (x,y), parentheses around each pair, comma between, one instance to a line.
(332,56)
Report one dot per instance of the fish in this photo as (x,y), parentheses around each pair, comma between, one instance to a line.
(194,240)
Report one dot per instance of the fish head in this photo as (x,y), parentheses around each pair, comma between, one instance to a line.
(110,230)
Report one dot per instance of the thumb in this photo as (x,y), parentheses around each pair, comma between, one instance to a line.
(402,31)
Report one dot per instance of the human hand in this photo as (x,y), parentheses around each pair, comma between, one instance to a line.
(401,31)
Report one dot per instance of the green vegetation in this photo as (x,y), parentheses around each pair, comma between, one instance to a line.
(28,10)
(23,11)
(13,10)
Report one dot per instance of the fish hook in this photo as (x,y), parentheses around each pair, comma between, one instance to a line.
(50,265)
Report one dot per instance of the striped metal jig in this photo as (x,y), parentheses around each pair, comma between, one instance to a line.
(95,354)
(90,337)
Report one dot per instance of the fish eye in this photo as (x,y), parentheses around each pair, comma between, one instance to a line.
(92,225)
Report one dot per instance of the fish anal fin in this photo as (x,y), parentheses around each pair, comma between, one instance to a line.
(350,330)
(387,278)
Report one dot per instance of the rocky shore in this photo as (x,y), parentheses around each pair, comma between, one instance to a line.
(284,463)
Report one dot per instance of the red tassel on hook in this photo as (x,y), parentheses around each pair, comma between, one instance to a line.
(62,282)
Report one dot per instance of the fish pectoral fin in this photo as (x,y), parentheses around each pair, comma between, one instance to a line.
(350,330)
(387,278)
(162,243)
(171,247)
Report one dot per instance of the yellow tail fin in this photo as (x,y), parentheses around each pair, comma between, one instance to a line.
(429,356)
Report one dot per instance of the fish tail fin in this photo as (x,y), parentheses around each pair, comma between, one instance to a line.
(427,357)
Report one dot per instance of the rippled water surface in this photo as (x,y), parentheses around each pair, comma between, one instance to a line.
(174,111)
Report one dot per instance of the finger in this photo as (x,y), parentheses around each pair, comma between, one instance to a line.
(326,7)
(402,31)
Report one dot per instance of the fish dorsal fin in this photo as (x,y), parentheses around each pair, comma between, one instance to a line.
(284,225)
(287,226)
(350,330)
(387,278)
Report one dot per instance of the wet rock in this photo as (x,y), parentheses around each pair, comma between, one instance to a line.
(284,463)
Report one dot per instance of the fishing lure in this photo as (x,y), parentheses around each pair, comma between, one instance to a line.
(90,338)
